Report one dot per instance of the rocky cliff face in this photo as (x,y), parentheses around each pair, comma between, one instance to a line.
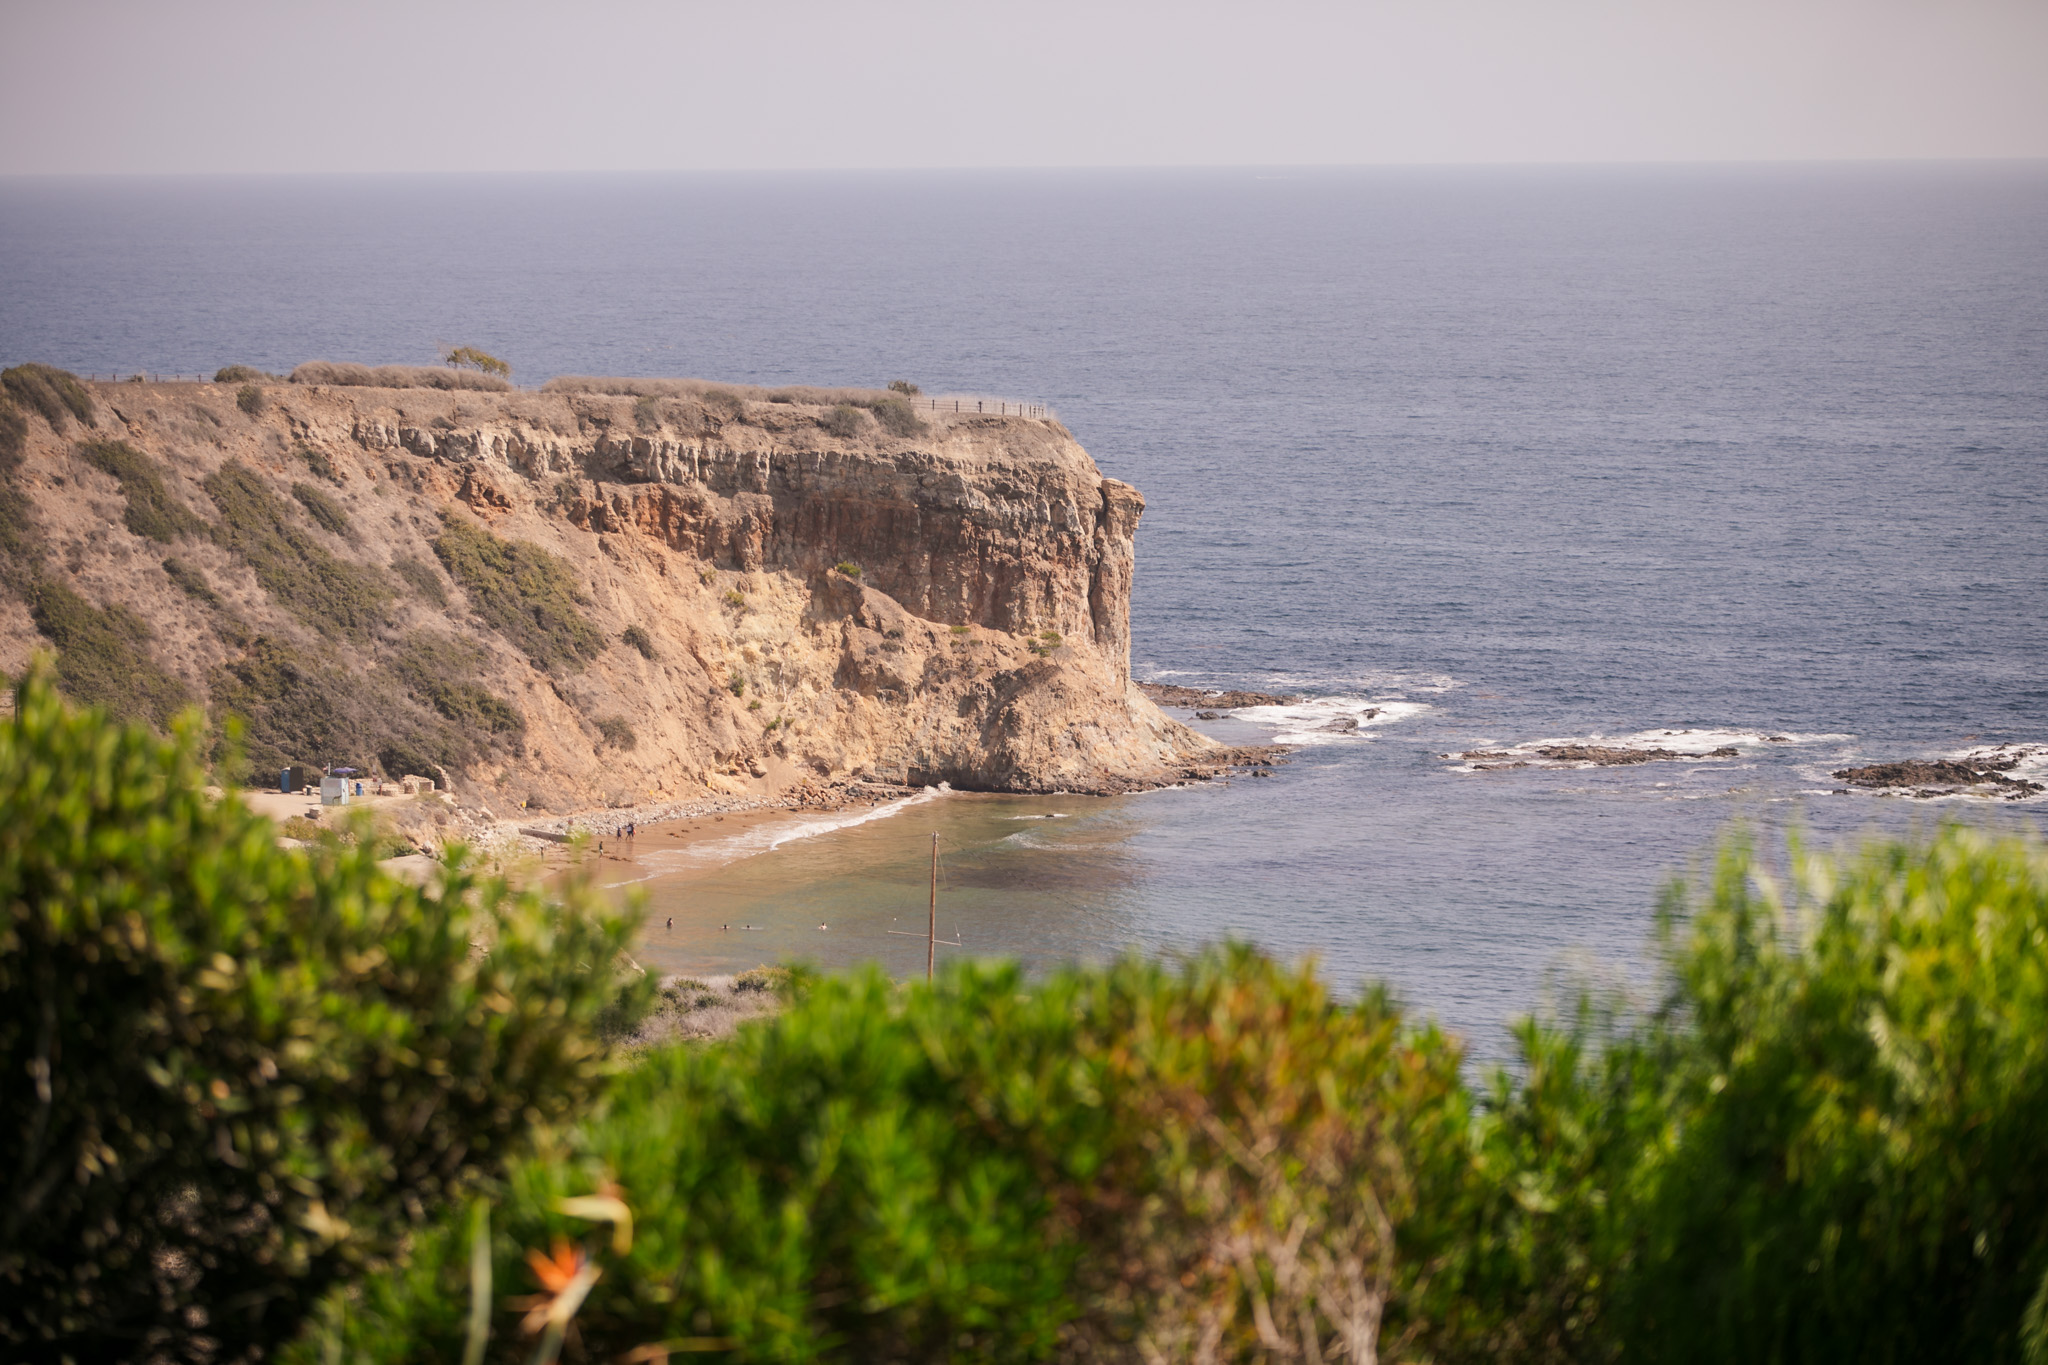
(584,598)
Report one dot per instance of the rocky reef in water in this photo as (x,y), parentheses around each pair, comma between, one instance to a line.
(575,597)
(1930,777)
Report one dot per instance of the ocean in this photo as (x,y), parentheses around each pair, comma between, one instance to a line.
(1753,455)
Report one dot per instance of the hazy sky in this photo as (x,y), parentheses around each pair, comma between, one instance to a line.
(370,85)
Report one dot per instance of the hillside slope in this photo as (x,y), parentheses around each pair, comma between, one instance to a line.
(581,598)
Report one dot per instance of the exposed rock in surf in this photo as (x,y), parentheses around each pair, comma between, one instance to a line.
(1599,755)
(1173,694)
(1930,777)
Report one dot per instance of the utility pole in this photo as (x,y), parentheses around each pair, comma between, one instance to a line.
(931,952)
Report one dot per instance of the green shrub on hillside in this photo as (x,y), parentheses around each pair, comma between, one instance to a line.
(238,374)
(441,669)
(191,582)
(103,656)
(331,595)
(528,595)
(616,732)
(20,545)
(49,391)
(230,1074)
(470,358)
(640,640)
(13,435)
(249,399)
(320,463)
(425,711)
(420,576)
(324,510)
(152,512)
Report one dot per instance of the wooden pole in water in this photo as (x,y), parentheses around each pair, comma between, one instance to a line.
(931,952)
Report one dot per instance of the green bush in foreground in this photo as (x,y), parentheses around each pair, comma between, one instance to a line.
(1138,1159)
(1823,1145)
(1852,1074)
(231,1074)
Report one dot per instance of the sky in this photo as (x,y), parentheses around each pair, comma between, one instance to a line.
(117,86)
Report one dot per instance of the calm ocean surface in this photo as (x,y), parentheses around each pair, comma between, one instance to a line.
(1514,454)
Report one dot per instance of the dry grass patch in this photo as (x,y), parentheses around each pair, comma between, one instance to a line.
(343,374)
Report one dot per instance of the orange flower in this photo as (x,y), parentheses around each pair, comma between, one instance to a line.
(567,1275)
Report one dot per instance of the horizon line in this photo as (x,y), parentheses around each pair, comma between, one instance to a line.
(1069,167)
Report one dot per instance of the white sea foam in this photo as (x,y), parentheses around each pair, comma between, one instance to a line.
(1699,742)
(1329,720)
(2032,765)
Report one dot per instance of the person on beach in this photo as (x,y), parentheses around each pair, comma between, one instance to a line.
(671,921)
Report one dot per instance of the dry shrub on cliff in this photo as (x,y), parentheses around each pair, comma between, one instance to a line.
(703,389)
(240,374)
(344,374)
(896,417)
(843,421)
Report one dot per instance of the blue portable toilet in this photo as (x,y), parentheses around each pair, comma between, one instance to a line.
(284,781)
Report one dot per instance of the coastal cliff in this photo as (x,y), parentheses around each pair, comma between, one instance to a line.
(575,597)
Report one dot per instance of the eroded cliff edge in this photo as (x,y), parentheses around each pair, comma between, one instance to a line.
(706,540)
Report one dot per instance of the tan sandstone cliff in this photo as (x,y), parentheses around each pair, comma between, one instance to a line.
(309,555)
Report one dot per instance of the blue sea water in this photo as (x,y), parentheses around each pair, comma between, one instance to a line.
(1514,454)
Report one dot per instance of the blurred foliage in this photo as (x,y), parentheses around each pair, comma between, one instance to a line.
(1842,1111)
(232,1074)
(528,595)
(1137,1160)
(1821,1145)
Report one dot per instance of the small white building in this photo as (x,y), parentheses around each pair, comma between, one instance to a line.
(334,791)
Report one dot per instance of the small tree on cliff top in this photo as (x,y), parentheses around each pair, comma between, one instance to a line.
(470,358)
